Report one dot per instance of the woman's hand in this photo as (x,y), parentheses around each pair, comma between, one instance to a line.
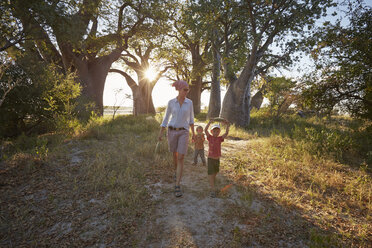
(160,137)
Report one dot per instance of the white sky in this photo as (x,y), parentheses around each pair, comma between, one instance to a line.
(162,93)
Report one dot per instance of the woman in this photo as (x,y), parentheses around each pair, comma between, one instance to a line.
(181,113)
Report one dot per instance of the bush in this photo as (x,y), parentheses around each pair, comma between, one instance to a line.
(35,105)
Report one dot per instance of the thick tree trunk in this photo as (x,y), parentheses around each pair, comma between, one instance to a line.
(235,107)
(215,96)
(92,75)
(196,77)
(142,99)
(195,93)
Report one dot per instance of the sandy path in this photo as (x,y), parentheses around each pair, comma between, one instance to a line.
(240,217)
(195,219)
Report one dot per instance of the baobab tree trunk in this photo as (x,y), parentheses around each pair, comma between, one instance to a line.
(235,107)
(257,100)
(93,76)
(142,99)
(195,93)
(215,96)
(198,70)
(91,73)
(142,93)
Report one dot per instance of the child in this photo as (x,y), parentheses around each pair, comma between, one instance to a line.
(199,145)
(214,153)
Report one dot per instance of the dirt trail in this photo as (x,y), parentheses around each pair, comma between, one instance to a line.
(239,217)
(194,220)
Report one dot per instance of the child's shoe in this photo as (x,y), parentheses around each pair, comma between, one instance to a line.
(193,164)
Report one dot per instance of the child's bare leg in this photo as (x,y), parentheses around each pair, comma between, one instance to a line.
(212,180)
(195,157)
(179,168)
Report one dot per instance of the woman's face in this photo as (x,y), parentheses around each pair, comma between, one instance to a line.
(183,92)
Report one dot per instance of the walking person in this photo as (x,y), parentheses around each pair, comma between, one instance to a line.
(181,114)
(214,153)
(199,145)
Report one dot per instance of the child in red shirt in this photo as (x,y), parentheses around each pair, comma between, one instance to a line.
(214,153)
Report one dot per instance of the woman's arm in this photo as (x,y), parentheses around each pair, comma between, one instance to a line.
(164,124)
(167,115)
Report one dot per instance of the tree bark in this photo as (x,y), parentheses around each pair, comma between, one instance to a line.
(141,92)
(195,93)
(92,75)
(142,99)
(196,75)
(235,107)
(215,96)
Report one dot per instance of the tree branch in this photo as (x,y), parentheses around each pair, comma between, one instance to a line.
(131,83)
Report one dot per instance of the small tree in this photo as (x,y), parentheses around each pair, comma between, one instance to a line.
(279,92)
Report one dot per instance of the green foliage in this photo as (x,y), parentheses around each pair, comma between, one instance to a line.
(340,138)
(343,58)
(278,91)
(42,99)
(202,116)
(324,142)
(41,148)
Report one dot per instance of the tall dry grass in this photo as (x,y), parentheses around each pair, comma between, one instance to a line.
(316,166)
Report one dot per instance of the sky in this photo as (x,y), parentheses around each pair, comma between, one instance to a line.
(162,93)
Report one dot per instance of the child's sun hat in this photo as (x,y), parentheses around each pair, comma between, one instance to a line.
(216,126)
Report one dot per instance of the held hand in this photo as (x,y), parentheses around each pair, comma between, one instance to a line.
(160,138)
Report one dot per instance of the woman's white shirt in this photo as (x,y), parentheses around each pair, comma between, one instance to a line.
(180,116)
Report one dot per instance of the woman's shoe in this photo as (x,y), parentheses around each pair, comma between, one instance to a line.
(177,191)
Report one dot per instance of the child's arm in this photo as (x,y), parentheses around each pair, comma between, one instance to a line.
(207,127)
(227,130)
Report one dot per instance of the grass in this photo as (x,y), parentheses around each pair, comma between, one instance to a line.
(117,161)
(318,167)
(300,171)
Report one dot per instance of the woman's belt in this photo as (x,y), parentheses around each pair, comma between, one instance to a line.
(176,128)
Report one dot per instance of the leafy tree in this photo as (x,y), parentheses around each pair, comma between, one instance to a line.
(145,56)
(191,37)
(267,23)
(84,37)
(221,21)
(343,58)
(279,92)
(142,90)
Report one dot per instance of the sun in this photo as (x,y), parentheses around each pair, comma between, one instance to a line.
(150,73)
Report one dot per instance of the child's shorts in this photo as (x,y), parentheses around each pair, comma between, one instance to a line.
(213,166)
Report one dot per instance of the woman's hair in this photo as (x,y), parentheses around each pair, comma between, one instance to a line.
(180,84)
